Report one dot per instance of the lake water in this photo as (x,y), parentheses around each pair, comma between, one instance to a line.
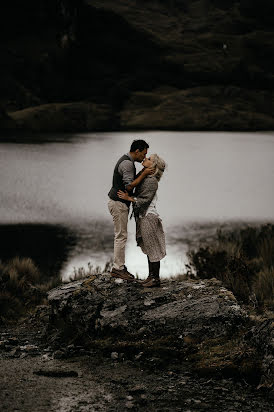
(213,179)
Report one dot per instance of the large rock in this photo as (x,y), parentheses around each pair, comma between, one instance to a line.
(185,320)
(101,306)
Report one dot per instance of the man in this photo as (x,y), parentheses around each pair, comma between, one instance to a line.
(124,178)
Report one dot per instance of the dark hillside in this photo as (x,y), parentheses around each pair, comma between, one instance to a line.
(105,51)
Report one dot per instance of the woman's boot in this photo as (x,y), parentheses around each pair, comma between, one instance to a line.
(153,279)
(150,275)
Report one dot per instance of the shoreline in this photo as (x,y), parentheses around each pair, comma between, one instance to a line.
(18,136)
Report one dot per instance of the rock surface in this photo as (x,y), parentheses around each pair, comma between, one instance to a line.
(189,319)
(100,306)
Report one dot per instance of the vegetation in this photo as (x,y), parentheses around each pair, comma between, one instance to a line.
(22,287)
(82,273)
(243,260)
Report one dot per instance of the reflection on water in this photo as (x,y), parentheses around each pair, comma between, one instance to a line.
(62,181)
(47,245)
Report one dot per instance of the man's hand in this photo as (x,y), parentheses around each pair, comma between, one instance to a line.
(123,195)
(148,171)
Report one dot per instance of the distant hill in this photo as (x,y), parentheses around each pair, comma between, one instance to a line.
(169,64)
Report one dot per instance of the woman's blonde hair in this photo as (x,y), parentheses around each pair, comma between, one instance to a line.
(159,164)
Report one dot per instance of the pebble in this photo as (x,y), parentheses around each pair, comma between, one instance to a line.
(13,341)
(149,302)
(129,405)
(58,354)
(119,281)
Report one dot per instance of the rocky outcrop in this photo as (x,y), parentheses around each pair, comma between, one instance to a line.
(189,320)
(202,108)
(178,308)
(65,117)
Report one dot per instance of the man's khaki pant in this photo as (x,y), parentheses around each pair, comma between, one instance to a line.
(119,213)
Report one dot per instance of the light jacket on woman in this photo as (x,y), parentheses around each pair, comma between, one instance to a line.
(144,193)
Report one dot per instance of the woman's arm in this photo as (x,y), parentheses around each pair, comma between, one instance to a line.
(141,175)
(145,196)
(147,192)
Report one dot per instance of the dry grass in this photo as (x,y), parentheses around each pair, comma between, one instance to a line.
(22,271)
(263,287)
(22,285)
(266,251)
(82,273)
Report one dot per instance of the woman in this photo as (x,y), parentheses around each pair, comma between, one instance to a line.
(149,230)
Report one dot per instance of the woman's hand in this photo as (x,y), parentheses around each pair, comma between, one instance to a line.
(123,195)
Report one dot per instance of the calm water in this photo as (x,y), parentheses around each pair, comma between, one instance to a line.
(212,179)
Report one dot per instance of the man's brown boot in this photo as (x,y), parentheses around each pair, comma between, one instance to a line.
(130,274)
(122,274)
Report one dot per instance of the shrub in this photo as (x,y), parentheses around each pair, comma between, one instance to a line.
(21,287)
(243,259)
(22,271)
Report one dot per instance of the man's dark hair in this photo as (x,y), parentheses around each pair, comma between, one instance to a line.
(138,144)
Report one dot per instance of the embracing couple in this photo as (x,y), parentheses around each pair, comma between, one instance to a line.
(141,191)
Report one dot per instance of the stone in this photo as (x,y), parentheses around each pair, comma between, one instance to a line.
(137,389)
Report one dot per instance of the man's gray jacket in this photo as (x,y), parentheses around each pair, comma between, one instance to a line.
(124,174)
